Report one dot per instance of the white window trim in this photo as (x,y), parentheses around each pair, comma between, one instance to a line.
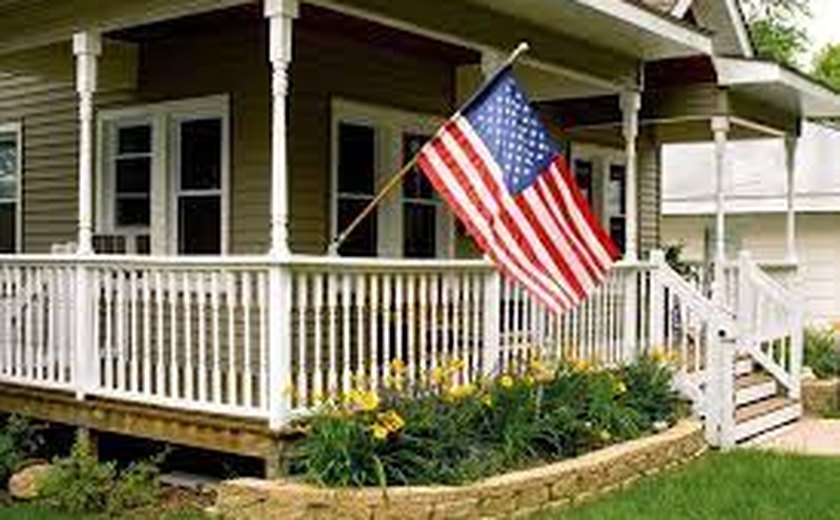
(16,128)
(602,158)
(164,117)
(387,123)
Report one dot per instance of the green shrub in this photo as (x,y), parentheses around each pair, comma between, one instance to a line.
(821,353)
(80,483)
(18,441)
(443,432)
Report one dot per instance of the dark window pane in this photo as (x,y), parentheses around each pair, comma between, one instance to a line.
(583,175)
(133,175)
(8,230)
(356,165)
(8,157)
(201,158)
(416,185)
(419,231)
(617,232)
(616,196)
(134,139)
(362,242)
(133,212)
(199,225)
(8,188)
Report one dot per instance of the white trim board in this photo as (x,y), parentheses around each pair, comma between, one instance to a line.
(16,128)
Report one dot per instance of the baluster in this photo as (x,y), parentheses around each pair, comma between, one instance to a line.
(121,332)
(189,374)
(217,341)
(477,294)
(160,374)
(135,332)
(399,281)
(360,327)
(262,290)
(28,328)
(108,288)
(345,331)
(147,333)
(374,336)
(410,326)
(203,376)
(332,373)
(174,366)
(318,318)
(302,293)
(232,394)
(387,353)
(447,337)
(434,313)
(8,320)
(423,313)
(57,335)
(247,374)
(465,323)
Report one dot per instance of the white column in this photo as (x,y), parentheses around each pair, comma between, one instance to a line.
(280,15)
(87,46)
(720,129)
(631,103)
(791,142)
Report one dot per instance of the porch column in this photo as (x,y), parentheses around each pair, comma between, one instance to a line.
(280,14)
(720,129)
(631,103)
(87,46)
(791,142)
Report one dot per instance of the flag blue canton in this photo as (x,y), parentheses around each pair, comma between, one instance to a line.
(511,130)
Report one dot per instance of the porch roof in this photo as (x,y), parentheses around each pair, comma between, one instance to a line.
(779,86)
(625,26)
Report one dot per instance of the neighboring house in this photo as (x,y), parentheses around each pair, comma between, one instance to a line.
(208,150)
(757,207)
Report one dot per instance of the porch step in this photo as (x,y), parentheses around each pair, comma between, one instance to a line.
(757,386)
(743,365)
(762,416)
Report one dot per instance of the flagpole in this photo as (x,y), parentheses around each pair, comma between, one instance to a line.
(394,181)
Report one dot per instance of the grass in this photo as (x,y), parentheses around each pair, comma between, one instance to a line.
(741,484)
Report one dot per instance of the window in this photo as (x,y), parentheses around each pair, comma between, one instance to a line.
(420,205)
(164,176)
(356,186)
(10,161)
(600,173)
(616,204)
(370,144)
(583,176)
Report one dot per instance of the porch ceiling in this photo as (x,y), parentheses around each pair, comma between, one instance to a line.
(642,32)
(778,86)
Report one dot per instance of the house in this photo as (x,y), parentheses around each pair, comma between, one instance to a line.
(174,171)
(756,201)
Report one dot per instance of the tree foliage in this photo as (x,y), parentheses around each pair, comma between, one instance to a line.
(777,28)
(827,65)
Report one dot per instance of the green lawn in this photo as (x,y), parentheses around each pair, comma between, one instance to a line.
(24,512)
(741,484)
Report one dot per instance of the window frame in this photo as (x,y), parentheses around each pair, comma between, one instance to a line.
(164,118)
(389,126)
(602,159)
(16,128)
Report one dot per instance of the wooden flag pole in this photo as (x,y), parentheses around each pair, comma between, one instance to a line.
(394,181)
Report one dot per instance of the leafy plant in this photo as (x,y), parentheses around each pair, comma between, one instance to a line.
(18,440)
(80,483)
(448,432)
(821,352)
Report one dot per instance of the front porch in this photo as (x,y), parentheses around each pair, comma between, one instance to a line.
(190,281)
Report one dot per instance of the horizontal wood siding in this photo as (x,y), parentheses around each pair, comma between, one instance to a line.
(649,192)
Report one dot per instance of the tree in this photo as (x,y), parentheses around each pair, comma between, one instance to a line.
(777,28)
(827,65)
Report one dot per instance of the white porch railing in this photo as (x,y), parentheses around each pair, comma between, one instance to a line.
(197,333)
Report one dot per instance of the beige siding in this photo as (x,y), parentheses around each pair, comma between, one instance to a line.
(649,192)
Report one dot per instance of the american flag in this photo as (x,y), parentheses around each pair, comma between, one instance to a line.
(496,166)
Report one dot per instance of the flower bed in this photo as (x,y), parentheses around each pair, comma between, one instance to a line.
(513,494)
(445,431)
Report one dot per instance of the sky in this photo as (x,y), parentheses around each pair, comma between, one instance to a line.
(825,25)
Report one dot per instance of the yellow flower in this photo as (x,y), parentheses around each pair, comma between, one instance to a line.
(461,391)
(487,400)
(397,366)
(438,375)
(619,388)
(379,432)
(659,355)
(457,365)
(391,421)
(506,381)
(366,400)
(528,379)
(605,436)
(581,365)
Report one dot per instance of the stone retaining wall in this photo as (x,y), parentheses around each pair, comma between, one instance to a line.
(512,494)
(821,396)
